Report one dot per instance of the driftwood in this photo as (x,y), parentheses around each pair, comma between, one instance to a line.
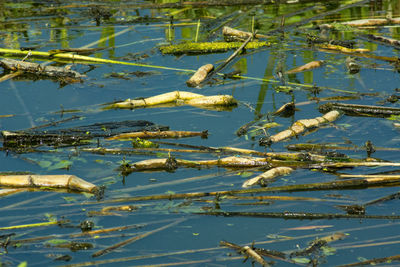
(382,39)
(343,49)
(70,182)
(267,176)
(177,98)
(172,163)
(352,65)
(372,22)
(200,75)
(158,134)
(299,127)
(360,110)
(35,68)
(229,33)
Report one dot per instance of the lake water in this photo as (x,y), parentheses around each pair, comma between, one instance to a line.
(180,235)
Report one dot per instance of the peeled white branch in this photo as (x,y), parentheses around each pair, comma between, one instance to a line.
(55,181)
(267,176)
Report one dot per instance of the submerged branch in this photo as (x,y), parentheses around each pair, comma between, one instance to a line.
(360,110)
(158,134)
(332,185)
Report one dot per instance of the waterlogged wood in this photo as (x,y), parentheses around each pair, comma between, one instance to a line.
(200,75)
(230,162)
(301,126)
(386,40)
(373,262)
(360,110)
(309,66)
(317,244)
(35,68)
(247,251)
(344,49)
(229,32)
(372,22)
(324,186)
(267,176)
(178,98)
(208,47)
(158,134)
(287,215)
(70,182)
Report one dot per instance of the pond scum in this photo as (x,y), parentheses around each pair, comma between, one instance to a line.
(213,34)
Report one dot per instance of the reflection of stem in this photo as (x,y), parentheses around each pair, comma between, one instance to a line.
(22,103)
(197,31)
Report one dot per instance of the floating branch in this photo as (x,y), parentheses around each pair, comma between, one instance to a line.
(317,244)
(267,176)
(332,185)
(360,110)
(208,47)
(80,135)
(373,262)
(158,134)
(309,66)
(177,98)
(200,75)
(382,39)
(287,215)
(70,182)
(372,22)
(299,127)
(35,68)
(172,163)
(249,252)
(33,225)
(230,33)
(344,49)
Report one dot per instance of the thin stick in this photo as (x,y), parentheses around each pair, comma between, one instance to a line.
(134,239)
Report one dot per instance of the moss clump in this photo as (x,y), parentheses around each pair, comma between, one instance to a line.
(207,47)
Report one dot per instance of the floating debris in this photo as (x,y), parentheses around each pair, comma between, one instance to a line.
(360,110)
(299,127)
(179,98)
(208,47)
(70,182)
(200,75)
(266,177)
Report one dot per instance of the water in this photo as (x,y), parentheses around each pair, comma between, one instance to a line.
(195,239)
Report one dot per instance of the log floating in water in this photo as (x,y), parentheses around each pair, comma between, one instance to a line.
(267,176)
(229,32)
(158,134)
(35,68)
(178,97)
(200,75)
(229,162)
(55,181)
(299,127)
